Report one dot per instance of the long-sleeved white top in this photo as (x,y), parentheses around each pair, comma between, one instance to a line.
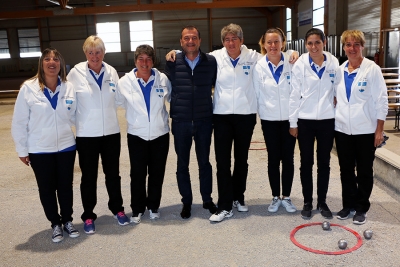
(130,96)
(272,97)
(96,111)
(234,92)
(36,126)
(312,98)
(368,100)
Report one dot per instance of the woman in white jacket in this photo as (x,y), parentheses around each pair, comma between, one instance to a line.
(311,117)
(41,129)
(143,92)
(361,110)
(271,79)
(97,131)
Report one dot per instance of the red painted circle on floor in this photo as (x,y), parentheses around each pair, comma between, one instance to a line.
(344,251)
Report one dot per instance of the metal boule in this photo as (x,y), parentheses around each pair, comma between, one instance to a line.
(342,244)
(326,226)
(368,234)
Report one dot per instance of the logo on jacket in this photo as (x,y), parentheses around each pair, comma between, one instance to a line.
(287,74)
(362,84)
(69,103)
(246,70)
(112,85)
(160,92)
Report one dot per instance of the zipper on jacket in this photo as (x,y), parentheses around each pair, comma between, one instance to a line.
(192,98)
(102,106)
(319,97)
(55,120)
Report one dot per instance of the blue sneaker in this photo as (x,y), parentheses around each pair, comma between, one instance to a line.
(89,227)
(122,218)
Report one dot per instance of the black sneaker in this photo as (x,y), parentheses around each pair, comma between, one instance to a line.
(325,211)
(210,206)
(359,218)
(57,234)
(306,212)
(70,229)
(186,211)
(345,213)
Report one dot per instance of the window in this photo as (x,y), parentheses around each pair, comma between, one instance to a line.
(318,14)
(109,33)
(288,24)
(4,50)
(141,32)
(29,43)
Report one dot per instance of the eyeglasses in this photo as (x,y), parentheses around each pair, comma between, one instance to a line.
(233,39)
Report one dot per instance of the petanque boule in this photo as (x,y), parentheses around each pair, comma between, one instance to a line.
(368,234)
(326,226)
(342,244)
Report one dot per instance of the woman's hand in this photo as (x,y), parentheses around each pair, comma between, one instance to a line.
(294,132)
(294,57)
(25,160)
(170,56)
(379,133)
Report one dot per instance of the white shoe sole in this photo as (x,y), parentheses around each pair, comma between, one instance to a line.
(56,240)
(216,218)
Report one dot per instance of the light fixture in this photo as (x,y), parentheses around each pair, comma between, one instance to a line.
(57,3)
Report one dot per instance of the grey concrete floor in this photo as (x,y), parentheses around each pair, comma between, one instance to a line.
(254,238)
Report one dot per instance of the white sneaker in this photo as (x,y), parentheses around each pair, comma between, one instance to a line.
(136,218)
(220,215)
(240,207)
(289,206)
(274,206)
(154,214)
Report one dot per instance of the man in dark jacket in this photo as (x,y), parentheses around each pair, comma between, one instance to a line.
(192,76)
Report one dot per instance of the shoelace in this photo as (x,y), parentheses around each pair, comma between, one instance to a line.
(275,201)
(57,230)
(89,222)
(121,214)
(69,227)
(288,200)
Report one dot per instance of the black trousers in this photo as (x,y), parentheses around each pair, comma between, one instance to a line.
(280,146)
(89,149)
(321,131)
(232,129)
(54,176)
(356,152)
(147,158)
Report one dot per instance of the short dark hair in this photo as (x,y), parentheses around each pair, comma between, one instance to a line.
(317,32)
(144,49)
(190,27)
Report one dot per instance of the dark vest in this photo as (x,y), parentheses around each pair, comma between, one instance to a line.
(191,91)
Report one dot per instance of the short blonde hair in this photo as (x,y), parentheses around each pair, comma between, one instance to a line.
(355,34)
(93,42)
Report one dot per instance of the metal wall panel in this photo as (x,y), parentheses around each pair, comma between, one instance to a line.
(364,15)
(395,14)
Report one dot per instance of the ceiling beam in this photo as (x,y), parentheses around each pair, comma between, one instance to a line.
(144,8)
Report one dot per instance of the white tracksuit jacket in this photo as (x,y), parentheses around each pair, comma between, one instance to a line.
(36,126)
(234,92)
(311,97)
(96,111)
(130,96)
(272,97)
(368,100)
